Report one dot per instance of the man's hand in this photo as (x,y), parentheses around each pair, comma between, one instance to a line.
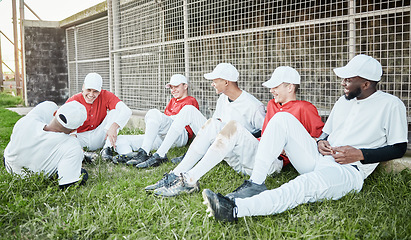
(112,134)
(325,148)
(347,154)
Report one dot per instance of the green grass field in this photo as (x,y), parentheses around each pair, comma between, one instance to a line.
(114,205)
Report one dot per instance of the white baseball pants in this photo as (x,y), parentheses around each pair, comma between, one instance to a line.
(234,144)
(321,177)
(157,126)
(188,115)
(94,139)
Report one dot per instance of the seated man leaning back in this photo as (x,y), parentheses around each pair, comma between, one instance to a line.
(237,146)
(106,115)
(157,127)
(365,127)
(233,104)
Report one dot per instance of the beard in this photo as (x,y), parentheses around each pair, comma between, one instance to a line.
(353,94)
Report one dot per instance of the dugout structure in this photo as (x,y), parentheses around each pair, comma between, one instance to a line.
(137,45)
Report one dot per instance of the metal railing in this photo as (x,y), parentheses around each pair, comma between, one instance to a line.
(143,42)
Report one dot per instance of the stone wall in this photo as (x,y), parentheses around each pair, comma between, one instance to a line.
(45,62)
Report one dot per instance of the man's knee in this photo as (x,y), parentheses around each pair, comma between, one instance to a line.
(188,110)
(152,114)
(212,122)
(283,117)
(229,129)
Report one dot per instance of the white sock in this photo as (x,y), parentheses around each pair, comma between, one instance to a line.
(208,162)
(150,135)
(188,162)
(169,140)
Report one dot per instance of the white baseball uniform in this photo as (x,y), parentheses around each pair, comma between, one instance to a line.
(106,109)
(246,110)
(157,127)
(377,121)
(37,150)
(237,146)
(188,115)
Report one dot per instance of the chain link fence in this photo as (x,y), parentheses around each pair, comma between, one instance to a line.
(141,43)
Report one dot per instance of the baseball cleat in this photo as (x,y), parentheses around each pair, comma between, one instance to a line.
(107,153)
(153,161)
(177,160)
(222,208)
(167,180)
(121,158)
(132,158)
(247,189)
(139,157)
(179,186)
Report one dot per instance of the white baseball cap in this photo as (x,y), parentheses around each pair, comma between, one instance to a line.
(71,115)
(225,71)
(176,80)
(283,74)
(362,66)
(93,81)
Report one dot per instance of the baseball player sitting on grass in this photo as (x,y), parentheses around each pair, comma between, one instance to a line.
(365,127)
(233,104)
(157,126)
(41,143)
(99,125)
(237,146)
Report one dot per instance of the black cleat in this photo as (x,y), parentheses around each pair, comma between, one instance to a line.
(141,156)
(177,160)
(222,208)
(153,161)
(177,187)
(247,189)
(107,153)
(167,180)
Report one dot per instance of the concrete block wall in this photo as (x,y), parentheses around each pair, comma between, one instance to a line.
(45,62)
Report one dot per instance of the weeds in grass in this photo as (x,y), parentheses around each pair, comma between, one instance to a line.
(7,100)
(114,205)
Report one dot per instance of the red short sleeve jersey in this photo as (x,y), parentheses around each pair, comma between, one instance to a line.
(174,107)
(97,111)
(304,111)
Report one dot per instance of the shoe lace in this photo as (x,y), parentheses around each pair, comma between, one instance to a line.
(167,179)
(182,179)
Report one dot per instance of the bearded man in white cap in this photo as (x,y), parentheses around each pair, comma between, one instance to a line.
(237,146)
(233,104)
(365,127)
(41,143)
(100,125)
(157,126)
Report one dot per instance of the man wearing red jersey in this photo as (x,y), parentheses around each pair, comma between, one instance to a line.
(238,147)
(366,126)
(106,114)
(157,126)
